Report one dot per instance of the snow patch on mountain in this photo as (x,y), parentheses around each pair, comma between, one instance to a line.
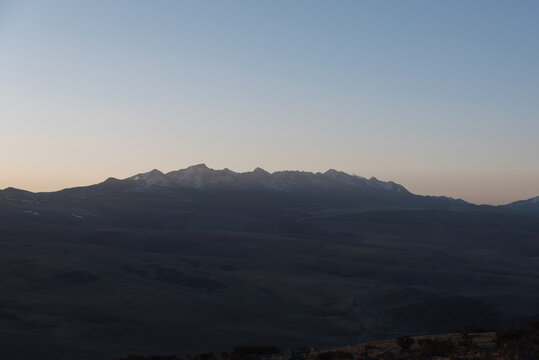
(203,178)
(152,178)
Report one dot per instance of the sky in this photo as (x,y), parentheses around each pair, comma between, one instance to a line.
(439,96)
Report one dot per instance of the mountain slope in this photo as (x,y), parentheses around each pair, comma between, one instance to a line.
(530,206)
(213,196)
(202,177)
(193,261)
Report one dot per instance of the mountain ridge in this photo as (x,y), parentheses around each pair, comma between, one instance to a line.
(200,177)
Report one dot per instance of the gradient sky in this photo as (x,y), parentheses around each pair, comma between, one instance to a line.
(440,96)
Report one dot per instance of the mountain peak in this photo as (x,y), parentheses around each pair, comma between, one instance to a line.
(201,177)
(111,180)
(260,171)
(11,189)
(155,172)
(151,178)
(331,171)
(201,166)
(335,173)
(530,205)
(147,175)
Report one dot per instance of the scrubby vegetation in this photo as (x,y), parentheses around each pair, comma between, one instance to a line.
(405,342)
(471,329)
(247,352)
(519,342)
(430,348)
(335,355)
(241,352)
(467,342)
(136,357)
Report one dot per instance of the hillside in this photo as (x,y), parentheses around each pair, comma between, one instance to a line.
(90,271)
(519,342)
(155,199)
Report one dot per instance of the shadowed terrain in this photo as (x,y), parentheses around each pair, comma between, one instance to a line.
(128,266)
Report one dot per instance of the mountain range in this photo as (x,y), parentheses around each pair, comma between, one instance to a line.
(200,260)
(199,183)
(202,177)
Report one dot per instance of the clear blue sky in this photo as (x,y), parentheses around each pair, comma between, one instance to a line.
(440,96)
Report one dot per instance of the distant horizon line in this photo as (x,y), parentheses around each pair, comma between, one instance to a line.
(204,166)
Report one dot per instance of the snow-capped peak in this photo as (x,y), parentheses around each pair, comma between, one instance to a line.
(151,178)
(201,177)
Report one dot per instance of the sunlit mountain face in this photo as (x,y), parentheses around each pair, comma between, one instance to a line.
(202,177)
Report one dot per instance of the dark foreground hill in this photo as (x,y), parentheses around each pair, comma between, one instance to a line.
(146,266)
(518,342)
